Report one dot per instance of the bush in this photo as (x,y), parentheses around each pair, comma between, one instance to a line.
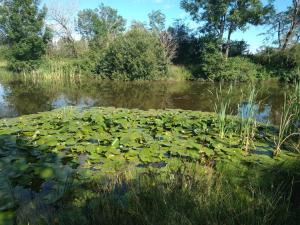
(211,61)
(291,76)
(179,73)
(285,64)
(279,60)
(137,55)
(214,67)
(240,69)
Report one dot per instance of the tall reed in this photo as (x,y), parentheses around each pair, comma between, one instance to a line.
(248,123)
(289,120)
(221,107)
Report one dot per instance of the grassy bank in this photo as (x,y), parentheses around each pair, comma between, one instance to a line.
(234,70)
(117,166)
(61,69)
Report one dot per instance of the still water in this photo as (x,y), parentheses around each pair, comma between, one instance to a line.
(25,95)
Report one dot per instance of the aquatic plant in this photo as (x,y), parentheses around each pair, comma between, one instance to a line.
(289,120)
(221,107)
(63,160)
(248,123)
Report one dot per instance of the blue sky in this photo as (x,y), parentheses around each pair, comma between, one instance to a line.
(139,9)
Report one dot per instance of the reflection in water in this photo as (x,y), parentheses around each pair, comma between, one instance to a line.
(19,95)
(262,114)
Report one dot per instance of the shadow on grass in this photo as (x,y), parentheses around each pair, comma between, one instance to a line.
(41,187)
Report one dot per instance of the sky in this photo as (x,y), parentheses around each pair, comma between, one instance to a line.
(139,9)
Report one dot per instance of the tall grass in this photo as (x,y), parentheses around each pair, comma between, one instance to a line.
(221,107)
(178,73)
(182,197)
(248,122)
(56,70)
(289,120)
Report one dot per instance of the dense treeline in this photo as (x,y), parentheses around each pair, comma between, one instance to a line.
(108,48)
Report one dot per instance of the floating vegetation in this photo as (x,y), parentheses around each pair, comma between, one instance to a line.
(44,155)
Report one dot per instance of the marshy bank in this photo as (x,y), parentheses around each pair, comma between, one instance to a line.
(120,166)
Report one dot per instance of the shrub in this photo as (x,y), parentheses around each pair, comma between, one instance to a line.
(179,73)
(211,61)
(284,64)
(215,67)
(290,76)
(137,55)
(240,69)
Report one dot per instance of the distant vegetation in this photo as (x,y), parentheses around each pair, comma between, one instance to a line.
(151,51)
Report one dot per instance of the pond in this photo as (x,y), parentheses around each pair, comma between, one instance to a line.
(20,95)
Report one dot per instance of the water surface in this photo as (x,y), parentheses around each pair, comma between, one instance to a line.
(21,95)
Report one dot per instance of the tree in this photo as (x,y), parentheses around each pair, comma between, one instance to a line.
(157,21)
(22,25)
(187,45)
(285,26)
(62,18)
(98,24)
(238,48)
(135,24)
(136,55)
(294,18)
(222,17)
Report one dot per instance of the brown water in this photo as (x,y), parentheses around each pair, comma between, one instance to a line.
(25,95)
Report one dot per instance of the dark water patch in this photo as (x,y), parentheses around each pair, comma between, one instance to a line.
(20,96)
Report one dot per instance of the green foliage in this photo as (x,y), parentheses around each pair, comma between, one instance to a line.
(22,22)
(118,166)
(211,61)
(100,25)
(137,55)
(241,69)
(188,46)
(238,48)
(218,17)
(213,66)
(179,73)
(285,26)
(290,76)
(280,59)
(281,63)
(157,21)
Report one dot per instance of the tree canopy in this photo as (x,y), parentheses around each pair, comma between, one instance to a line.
(157,21)
(22,27)
(285,26)
(101,22)
(220,17)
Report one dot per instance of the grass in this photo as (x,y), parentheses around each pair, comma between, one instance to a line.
(289,120)
(179,73)
(59,69)
(221,107)
(186,196)
(248,121)
(181,197)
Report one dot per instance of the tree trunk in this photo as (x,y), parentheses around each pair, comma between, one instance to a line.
(294,24)
(222,30)
(228,43)
(279,34)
